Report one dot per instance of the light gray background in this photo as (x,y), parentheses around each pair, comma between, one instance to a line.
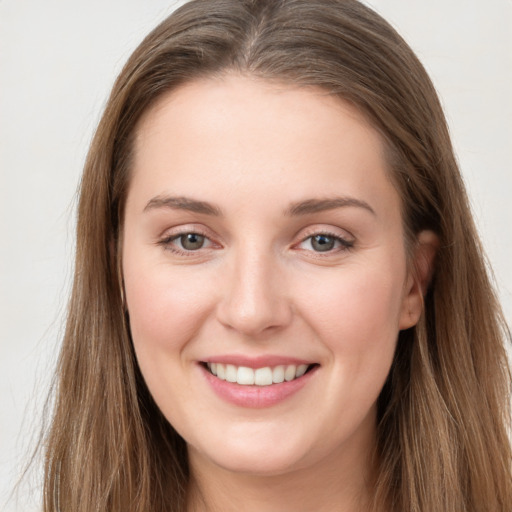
(58,60)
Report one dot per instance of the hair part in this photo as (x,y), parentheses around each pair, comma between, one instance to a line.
(443,415)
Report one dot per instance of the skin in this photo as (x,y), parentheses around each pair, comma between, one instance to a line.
(258,285)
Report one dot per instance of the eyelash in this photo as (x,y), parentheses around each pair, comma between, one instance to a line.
(167,242)
(343,244)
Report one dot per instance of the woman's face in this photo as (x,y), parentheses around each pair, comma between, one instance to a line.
(263,238)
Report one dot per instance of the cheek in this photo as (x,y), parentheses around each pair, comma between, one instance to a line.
(356,316)
(363,305)
(164,307)
(166,310)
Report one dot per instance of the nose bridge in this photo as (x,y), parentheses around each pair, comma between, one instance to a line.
(254,299)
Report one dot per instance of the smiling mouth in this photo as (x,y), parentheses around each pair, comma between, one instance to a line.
(265,376)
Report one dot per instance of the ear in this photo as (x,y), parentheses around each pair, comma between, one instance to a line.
(421,269)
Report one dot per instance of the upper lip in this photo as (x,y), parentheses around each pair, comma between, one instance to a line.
(256,361)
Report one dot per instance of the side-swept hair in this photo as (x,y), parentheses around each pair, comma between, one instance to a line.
(443,415)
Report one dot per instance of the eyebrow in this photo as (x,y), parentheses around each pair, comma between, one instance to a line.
(319,205)
(182,203)
(306,207)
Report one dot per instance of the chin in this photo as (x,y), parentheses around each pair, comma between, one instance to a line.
(258,464)
(248,456)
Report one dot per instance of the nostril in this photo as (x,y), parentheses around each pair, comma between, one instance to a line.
(254,317)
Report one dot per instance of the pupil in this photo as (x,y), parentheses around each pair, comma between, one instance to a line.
(322,243)
(192,241)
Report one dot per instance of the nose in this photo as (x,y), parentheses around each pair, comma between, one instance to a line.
(254,295)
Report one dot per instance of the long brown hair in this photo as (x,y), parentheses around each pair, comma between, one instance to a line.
(443,415)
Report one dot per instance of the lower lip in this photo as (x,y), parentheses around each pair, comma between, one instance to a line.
(256,396)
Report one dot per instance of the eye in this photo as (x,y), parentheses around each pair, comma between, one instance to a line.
(191,241)
(325,242)
(186,242)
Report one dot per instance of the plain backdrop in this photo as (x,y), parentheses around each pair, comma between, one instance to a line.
(58,60)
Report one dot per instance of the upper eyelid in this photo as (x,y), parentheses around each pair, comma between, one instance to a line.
(308,232)
(176,231)
(327,234)
(346,244)
(302,235)
(168,243)
(176,236)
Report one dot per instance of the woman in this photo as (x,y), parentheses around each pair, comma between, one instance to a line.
(280,300)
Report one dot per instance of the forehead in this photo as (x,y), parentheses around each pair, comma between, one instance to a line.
(254,135)
(208,100)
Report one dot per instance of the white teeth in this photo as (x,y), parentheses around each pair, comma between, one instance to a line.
(231,373)
(245,376)
(260,376)
(278,374)
(289,373)
(301,370)
(221,371)
(263,376)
